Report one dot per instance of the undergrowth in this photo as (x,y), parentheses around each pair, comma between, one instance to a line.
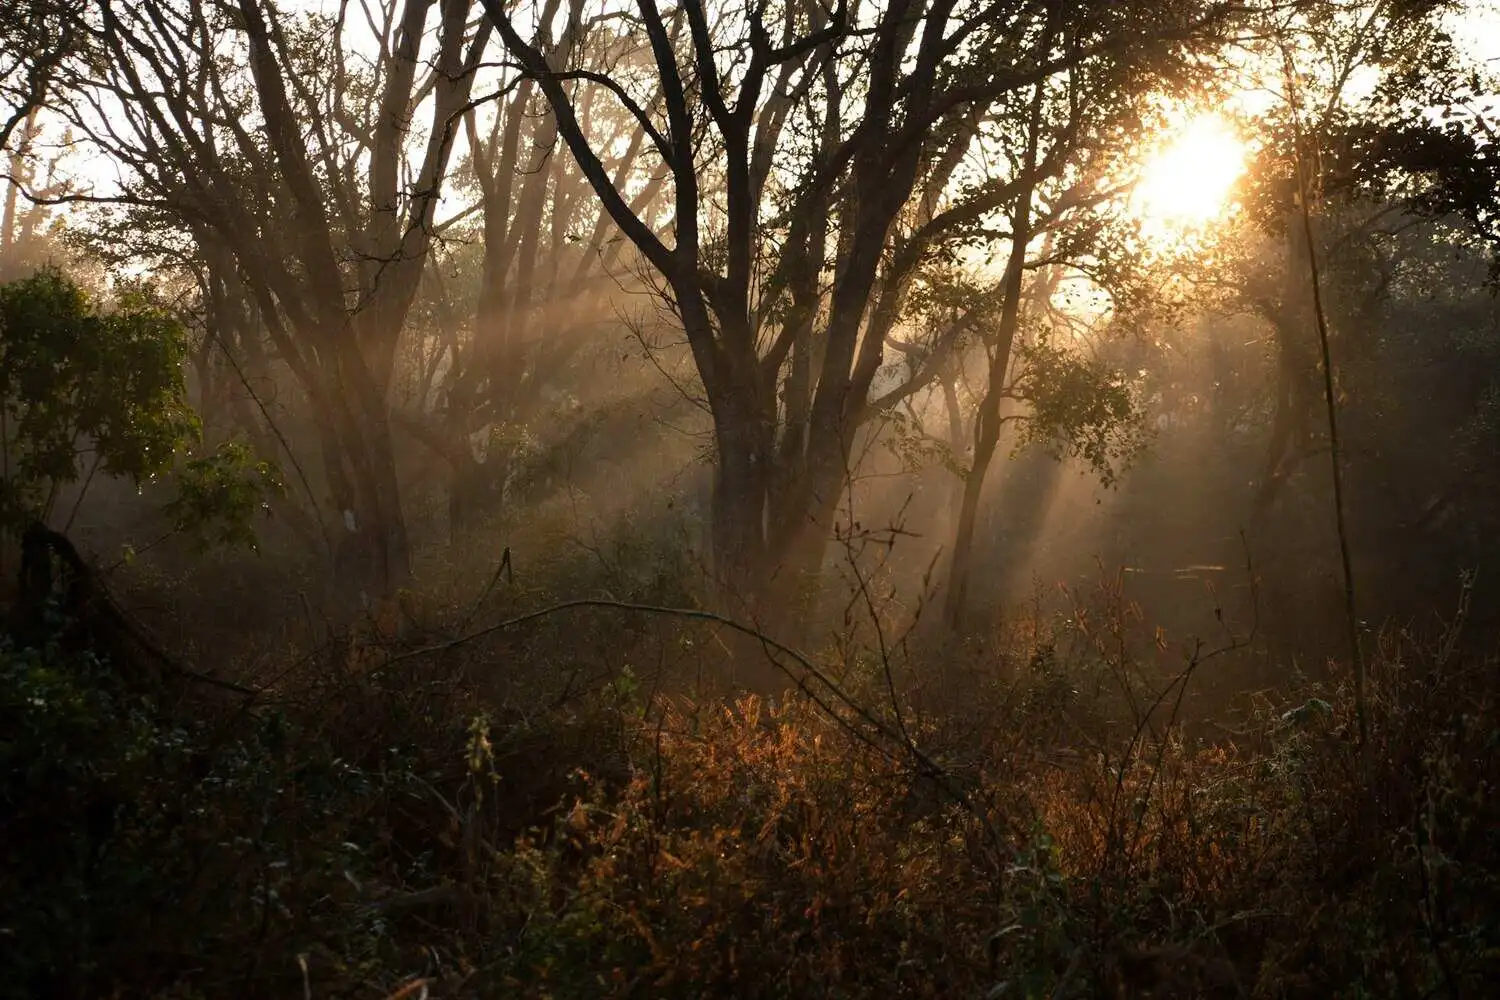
(385,818)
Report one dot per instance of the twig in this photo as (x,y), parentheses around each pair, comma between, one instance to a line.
(417,988)
(852,556)
(503,568)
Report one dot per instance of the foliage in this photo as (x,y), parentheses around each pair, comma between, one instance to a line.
(87,392)
(911,442)
(36,38)
(76,381)
(219,493)
(148,834)
(586,804)
(1080,408)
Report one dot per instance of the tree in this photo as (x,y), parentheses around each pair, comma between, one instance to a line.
(23,225)
(36,37)
(307,181)
(1367,155)
(814,158)
(1069,140)
(80,385)
(86,391)
(546,257)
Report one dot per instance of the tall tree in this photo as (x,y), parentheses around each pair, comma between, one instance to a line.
(1356,87)
(1066,138)
(813,157)
(300,163)
(548,256)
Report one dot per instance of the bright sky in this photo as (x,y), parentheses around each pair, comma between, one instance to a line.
(1186,179)
(1479,28)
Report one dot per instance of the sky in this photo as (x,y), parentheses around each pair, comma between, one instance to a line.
(1476,26)
(1479,29)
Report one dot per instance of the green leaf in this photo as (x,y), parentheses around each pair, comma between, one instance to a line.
(81,388)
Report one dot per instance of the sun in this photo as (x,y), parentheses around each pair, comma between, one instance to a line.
(1187,181)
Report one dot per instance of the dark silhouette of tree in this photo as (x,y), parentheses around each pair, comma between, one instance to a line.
(548,257)
(1369,151)
(36,38)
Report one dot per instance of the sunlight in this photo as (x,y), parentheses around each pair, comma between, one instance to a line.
(1186,182)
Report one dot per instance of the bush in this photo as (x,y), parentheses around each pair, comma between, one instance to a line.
(381,822)
(70,372)
(145,839)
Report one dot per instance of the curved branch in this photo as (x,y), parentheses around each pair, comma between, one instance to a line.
(628,103)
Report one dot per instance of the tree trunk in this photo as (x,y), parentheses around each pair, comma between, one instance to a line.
(987,422)
(741,558)
(987,426)
(10,237)
(374,458)
(987,437)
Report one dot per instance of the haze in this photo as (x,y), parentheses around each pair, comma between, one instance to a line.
(791,498)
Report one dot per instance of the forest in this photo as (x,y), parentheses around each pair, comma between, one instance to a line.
(749,498)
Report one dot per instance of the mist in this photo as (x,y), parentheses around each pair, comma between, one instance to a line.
(776,499)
